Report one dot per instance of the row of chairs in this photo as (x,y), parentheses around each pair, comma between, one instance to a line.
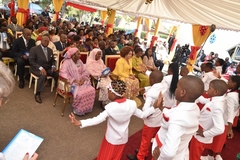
(63,85)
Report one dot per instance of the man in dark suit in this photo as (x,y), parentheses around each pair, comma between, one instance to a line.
(62,44)
(42,64)
(110,50)
(14,26)
(170,43)
(20,50)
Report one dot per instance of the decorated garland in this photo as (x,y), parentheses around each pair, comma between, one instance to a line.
(203,30)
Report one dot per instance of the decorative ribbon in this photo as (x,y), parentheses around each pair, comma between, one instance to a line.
(194,50)
(108,27)
(203,30)
(146,36)
(135,32)
(57,15)
(26,13)
(11,5)
(154,38)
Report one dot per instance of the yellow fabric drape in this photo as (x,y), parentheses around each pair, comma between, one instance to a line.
(103,15)
(157,27)
(57,6)
(173,29)
(20,16)
(110,23)
(148,24)
(198,40)
(154,37)
(138,24)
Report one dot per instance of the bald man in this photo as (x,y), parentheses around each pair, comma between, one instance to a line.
(20,50)
(42,64)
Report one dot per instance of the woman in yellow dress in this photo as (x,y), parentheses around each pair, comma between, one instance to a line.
(139,69)
(123,70)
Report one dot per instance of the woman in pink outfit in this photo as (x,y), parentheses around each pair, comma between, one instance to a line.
(76,73)
(95,66)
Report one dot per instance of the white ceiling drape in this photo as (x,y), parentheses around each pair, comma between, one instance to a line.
(225,14)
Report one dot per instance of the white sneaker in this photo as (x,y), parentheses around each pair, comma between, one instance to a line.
(210,157)
(218,157)
(204,158)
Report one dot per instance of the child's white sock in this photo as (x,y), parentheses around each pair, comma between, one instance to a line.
(204,158)
(218,157)
(210,157)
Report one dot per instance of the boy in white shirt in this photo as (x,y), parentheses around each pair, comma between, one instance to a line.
(152,122)
(211,121)
(208,76)
(179,123)
(118,114)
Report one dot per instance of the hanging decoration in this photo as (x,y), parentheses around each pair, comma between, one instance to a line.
(203,30)
(212,38)
(148,1)
(109,12)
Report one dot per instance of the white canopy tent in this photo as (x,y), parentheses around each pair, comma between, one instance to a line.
(225,14)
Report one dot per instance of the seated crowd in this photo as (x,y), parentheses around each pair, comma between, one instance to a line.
(137,71)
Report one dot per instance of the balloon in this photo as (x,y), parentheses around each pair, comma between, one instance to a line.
(212,38)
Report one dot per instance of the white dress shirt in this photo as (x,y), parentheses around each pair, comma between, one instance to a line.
(211,118)
(118,115)
(168,101)
(150,96)
(232,100)
(178,125)
(208,77)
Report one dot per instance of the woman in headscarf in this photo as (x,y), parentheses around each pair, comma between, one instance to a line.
(95,66)
(74,71)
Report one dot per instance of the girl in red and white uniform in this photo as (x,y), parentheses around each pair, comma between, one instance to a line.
(118,114)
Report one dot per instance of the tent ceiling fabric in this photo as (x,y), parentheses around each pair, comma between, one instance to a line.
(225,14)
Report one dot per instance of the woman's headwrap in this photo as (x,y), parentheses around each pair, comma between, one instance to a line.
(70,52)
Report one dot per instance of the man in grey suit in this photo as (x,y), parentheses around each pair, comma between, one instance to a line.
(14,26)
(42,64)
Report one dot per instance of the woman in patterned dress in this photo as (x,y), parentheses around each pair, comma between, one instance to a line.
(75,72)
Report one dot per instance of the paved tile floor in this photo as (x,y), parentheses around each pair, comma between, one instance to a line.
(62,141)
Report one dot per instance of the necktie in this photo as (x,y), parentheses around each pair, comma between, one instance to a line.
(26,44)
(46,53)
(63,46)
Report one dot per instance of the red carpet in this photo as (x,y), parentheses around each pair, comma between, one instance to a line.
(229,151)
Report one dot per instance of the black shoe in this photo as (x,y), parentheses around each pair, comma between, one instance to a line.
(131,157)
(38,99)
(136,151)
(27,77)
(21,84)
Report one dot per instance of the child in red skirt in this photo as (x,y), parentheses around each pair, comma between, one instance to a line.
(232,113)
(118,114)
(211,121)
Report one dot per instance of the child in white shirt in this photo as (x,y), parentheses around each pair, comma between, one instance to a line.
(179,123)
(152,122)
(232,111)
(118,114)
(211,121)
